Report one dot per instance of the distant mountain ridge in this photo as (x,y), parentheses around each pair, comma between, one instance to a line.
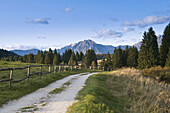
(89,44)
(85,45)
(25,52)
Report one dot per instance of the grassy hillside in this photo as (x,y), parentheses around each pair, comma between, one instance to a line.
(124,90)
(22,88)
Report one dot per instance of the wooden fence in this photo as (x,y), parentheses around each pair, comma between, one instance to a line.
(29,74)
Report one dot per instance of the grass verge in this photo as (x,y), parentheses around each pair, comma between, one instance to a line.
(25,87)
(124,90)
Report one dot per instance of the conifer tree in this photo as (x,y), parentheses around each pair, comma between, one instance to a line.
(30,58)
(118,58)
(165,45)
(108,61)
(81,56)
(56,60)
(24,58)
(89,57)
(77,56)
(47,59)
(50,52)
(168,59)
(132,57)
(148,55)
(72,60)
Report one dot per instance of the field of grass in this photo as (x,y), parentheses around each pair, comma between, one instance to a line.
(159,73)
(124,90)
(25,87)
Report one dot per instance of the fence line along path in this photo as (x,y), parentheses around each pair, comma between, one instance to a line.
(29,74)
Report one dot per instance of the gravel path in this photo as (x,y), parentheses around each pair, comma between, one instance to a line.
(42,102)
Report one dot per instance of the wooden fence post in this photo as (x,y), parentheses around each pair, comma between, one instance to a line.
(71,68)
(49,69)
(59,70)
(11,77)
(40,71)
(55,69)
(64,68)
(28,73)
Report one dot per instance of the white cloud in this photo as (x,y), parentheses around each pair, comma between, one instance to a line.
(108,33)
(26,47)
(126,29)
(68,9)
(149,20)
(39,21)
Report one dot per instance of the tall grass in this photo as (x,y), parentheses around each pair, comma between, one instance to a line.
(159,73)
(124,90)
(145,94)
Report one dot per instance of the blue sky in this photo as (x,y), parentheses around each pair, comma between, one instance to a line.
(26,24)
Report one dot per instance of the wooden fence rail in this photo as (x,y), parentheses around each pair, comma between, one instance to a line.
(29,74)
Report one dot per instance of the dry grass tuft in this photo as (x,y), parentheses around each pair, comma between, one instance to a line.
(145,94)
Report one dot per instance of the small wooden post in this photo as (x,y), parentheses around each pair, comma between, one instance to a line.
(40,71)
(28,73)
(64,68)
(11,77)
(55,69)
(59,70)
(49,69)
(71,68)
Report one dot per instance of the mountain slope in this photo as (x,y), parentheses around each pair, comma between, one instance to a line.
(89,44)
(5,53)
(25,52)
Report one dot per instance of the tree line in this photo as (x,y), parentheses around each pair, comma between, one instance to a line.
(69,57)
(148,56)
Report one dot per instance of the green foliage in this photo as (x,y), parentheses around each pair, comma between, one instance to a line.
(168,59)
(89,57)
(95,97)
(55,60)
(159,73)
(72,60)
(132,57)
(118,58)
(81,56)
(5,54)
(165,45)
(30,58)
(149,54)
(47,58)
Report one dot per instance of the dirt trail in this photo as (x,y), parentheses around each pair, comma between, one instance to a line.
(42,102)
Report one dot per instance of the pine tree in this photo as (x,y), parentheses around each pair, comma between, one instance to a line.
(30,58)
(72,60)
(118,58)
(56,60)
(108,62)
(132,57)
(149,54)
(165,45)
(24,58)
(50,52)
(89,57)
(81,56)
(47,59)
(125,55)
(168,59)
(77,56)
